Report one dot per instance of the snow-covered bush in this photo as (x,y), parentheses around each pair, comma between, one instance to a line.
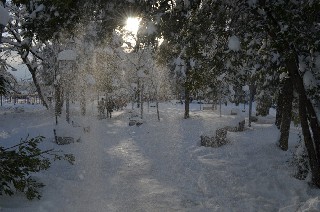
(20,161)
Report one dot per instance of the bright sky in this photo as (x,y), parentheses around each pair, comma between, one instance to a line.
(132,26)
(21,72)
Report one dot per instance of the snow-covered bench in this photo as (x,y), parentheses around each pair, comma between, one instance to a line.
(220,138)
(234,113)
(63,140)
(135,120)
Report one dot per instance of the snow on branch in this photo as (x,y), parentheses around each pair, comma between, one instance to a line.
(67,55)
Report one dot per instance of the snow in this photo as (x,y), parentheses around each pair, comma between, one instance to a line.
(284,75)
(234,43)
(159,166)
(245,88)
(141,74)
(90,79)
(4,16)
(309,80)
(67,55)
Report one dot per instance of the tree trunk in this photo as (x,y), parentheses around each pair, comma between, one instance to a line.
(68,105)
(308,120)
(141,101)
(187,94)
(35,81)
(279,110)
(58,99)
(287,96)
(187,101)
(158,113)
(138,94)
(313,157)
(83,102)
(251,96)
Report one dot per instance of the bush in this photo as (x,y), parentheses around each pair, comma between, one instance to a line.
(19,161)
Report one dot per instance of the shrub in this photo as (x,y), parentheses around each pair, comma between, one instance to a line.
(19,161)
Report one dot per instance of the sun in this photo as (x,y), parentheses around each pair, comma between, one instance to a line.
(132,24)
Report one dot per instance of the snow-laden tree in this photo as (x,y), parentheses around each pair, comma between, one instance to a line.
(177,25)
(138,63)
(160,85)
(24,43)
(46,19)
(154,77)
(36,24)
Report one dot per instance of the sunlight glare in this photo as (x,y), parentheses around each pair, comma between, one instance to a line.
(132,25)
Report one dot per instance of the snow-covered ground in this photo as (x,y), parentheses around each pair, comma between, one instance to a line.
(160,166)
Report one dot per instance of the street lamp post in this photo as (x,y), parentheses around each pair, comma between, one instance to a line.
(69,56)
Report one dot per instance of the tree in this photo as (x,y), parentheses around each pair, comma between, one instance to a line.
(177,25)
(27,47)
(32,24)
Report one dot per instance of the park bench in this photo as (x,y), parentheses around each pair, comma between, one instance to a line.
(63,140)
(220,138)
(135,120)
(234,113)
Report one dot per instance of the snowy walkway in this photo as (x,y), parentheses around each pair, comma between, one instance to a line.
(159,166)
(122,168)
